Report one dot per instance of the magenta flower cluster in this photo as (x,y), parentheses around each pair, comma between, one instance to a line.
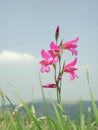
(53,56)
(50,57)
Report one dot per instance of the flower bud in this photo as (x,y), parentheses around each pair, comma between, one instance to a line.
(59,77)
(57,33)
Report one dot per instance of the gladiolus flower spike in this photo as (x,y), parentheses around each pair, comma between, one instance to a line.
(53,57)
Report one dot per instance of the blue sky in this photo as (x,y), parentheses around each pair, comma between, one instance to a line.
(26,27)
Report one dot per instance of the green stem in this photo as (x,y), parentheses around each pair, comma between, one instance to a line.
(58,83)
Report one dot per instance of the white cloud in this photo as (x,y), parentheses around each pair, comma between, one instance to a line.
(11,56)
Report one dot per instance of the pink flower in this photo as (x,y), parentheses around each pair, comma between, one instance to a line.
(49,86)
(69,68)
(48,60)
(54,52)
(71,45)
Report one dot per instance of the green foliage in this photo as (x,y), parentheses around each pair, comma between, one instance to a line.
(30,121)
(95,110)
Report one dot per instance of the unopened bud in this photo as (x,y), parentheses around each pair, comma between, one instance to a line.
(57,33)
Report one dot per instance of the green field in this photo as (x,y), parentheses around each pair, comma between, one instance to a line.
(30,120)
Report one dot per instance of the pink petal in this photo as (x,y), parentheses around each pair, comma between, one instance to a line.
(50,52)
(74,52)
(73,76)
(74,46)
(72,63)
(42,69)
(44,54)
(45,69)
(73,41)
(55,59)
(53,45)
(43,62)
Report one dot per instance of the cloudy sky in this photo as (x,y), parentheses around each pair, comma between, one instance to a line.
(27,26)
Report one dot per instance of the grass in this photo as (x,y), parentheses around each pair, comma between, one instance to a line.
(30,121)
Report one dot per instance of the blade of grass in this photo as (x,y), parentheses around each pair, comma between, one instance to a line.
(43,96)
(82,124)
(73,125)
(12,122)
(45,105)
(26,108)
(30,113)
(95,110)
(58,117)
(10,102)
